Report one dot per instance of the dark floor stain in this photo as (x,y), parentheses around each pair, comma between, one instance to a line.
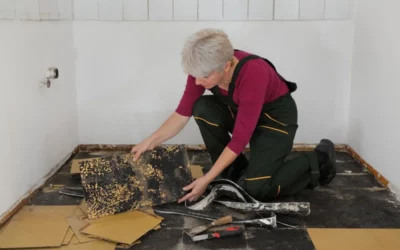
(350,208)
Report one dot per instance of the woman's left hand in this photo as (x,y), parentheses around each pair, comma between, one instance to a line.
(198,187)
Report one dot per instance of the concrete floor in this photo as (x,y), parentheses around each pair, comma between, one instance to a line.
(353,200)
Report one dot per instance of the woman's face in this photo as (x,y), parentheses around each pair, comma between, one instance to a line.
(211,80)
(214,78)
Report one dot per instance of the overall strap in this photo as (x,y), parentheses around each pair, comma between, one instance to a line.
(291,85)
(237,71)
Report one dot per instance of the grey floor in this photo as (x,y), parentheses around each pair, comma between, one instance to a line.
(354,199)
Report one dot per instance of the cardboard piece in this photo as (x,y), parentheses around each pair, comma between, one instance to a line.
(75,169)
(68,236)
(94,245)
(196,171)
(29,212)
(124,228)
(125,246)
(77,224)
(36,226)
(34,233)
(355,239)
(74,240)
(150,211)
(83,206)
(116,183)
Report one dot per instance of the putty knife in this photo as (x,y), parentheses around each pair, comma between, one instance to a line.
(218,222)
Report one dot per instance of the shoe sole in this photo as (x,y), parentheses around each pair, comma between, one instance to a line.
(328,147)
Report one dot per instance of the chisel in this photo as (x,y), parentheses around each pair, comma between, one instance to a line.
(218,222)
(230,231)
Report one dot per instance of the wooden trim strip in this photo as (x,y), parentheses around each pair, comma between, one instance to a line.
(381,179)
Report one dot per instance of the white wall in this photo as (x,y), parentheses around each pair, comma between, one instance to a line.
(374,116)
(127,60)
(38,126)
(125,70)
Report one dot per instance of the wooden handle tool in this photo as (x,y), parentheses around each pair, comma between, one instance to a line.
(218,222)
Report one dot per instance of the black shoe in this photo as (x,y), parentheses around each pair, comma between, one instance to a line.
(327,161)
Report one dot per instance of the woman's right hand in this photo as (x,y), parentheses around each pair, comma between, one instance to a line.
(147,144)
(173,125)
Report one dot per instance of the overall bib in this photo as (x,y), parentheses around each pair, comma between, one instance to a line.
(267,174)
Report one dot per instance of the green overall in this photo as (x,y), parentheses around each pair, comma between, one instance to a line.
(267,174)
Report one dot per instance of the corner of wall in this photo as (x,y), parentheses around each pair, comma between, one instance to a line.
(395,190)
(349,121)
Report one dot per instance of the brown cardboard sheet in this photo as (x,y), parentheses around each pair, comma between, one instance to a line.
(94,245)
(36,226)
(196,171)
(28,212)
(77,223)
(124,228)
(75,166)
(74,240)
(126,246)
(83,206)
(151,212)
(68,236)
(355,239)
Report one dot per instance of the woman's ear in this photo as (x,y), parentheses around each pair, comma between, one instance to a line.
(227,66)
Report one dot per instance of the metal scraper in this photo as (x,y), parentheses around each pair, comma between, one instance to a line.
(218,222)
(230,231)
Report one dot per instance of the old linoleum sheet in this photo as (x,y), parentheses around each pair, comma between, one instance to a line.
(355,239)
(124,228)
(36,226)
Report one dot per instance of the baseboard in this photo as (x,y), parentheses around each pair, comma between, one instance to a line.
(127,147)
(372,170)
(34,189)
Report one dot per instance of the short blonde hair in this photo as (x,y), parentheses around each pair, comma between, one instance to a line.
(205,51)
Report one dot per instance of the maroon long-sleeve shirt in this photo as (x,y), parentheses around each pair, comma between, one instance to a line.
(256,84)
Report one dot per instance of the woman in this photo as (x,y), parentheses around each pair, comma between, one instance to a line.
(252,102)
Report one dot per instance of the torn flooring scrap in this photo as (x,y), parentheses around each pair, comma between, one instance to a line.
(117,184)
(225,188)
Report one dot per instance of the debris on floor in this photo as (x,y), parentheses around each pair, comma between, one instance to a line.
(52,188)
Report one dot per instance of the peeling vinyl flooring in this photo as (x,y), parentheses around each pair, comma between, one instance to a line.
(354,199)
